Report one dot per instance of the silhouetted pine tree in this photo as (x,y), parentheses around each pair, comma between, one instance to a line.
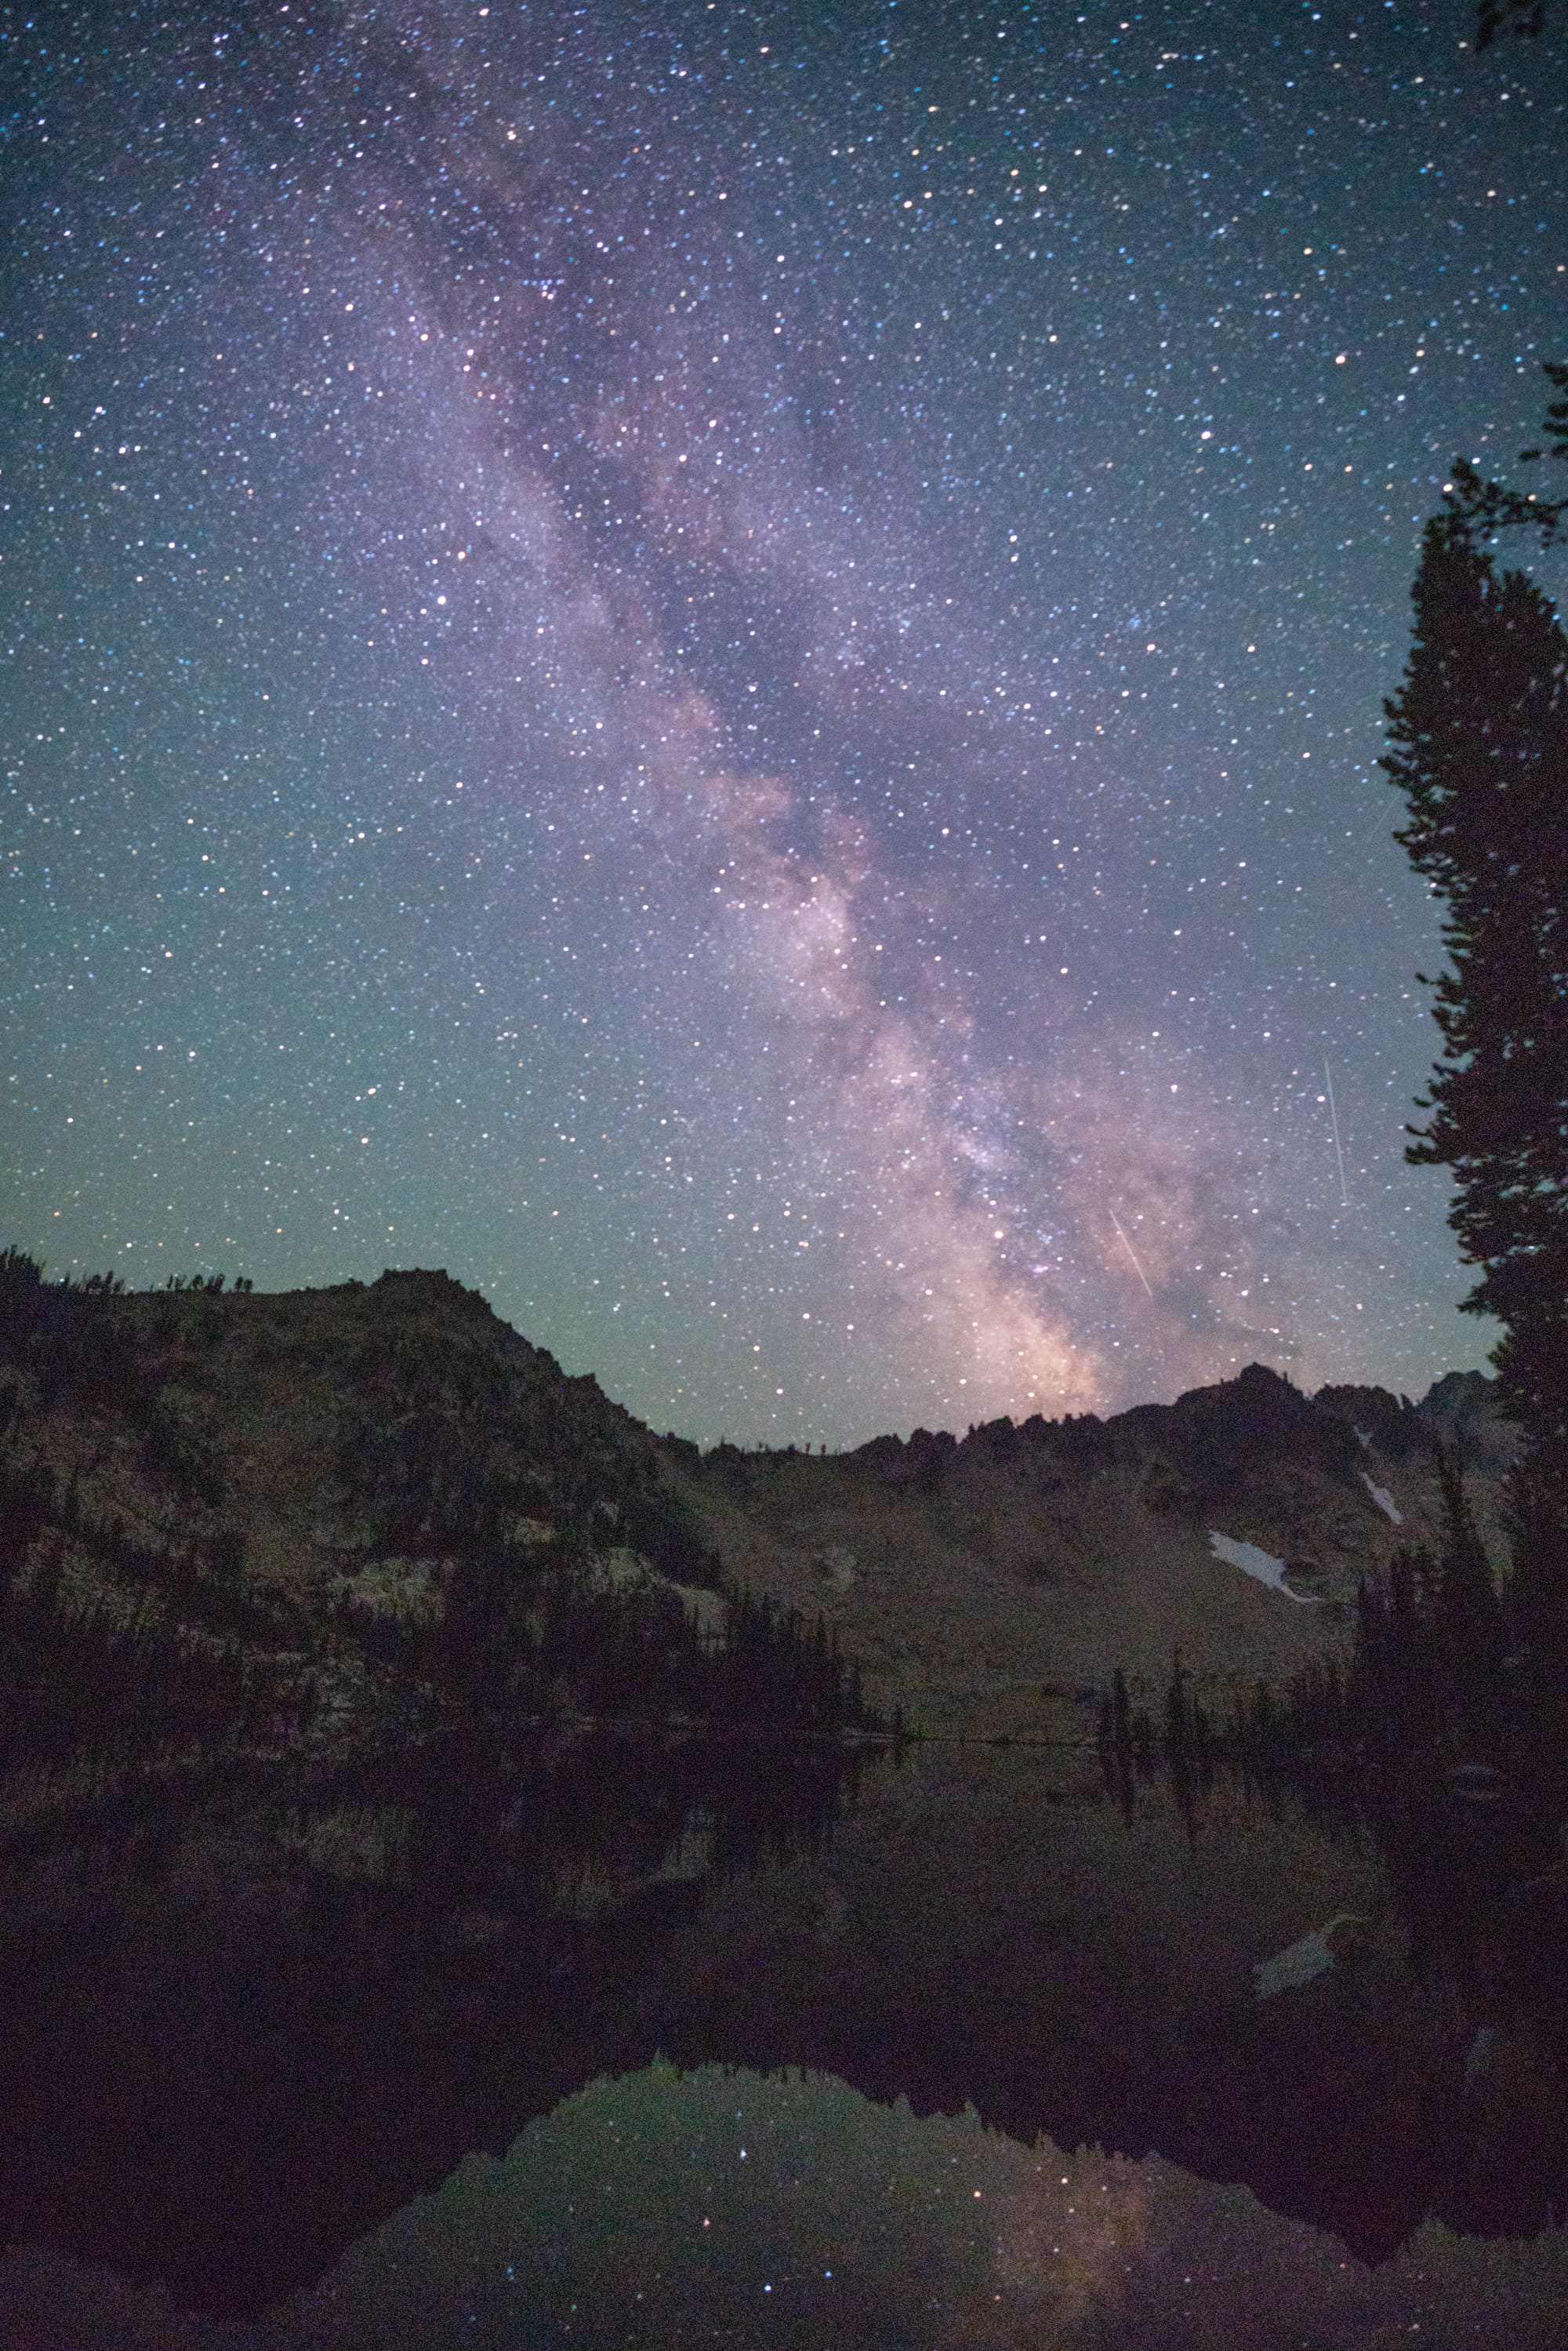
(1179,1715)
(1480,731)
(1480,737)
(1467,1620)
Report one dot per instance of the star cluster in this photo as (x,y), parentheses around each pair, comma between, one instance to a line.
(722,666)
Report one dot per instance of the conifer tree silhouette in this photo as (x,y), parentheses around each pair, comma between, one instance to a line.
(1478,747)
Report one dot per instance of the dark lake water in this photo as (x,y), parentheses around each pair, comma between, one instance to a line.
(625,2042)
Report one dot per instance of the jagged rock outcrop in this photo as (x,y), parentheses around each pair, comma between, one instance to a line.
(989,1582)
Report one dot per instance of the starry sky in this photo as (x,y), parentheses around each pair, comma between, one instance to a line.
(722,667)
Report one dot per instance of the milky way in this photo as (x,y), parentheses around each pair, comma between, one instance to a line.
(723,668)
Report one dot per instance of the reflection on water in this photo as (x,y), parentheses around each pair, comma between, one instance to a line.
(663,2209)
(236,2039)
(235,2035)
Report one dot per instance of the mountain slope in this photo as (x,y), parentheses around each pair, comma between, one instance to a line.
(982,1581)
(338,1519)
(344,1514)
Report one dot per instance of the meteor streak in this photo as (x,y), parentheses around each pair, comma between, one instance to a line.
(1127,1245)
(1339,1154)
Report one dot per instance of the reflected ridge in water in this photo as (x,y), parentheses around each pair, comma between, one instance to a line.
(239,2038)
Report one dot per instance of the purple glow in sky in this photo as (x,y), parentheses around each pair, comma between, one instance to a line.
(722,667)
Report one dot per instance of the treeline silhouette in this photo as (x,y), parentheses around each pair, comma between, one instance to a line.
(1429,1680)
(157,1665)
(1435,1728)
(552,1628)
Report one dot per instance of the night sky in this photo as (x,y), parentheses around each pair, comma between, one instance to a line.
(722,667)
